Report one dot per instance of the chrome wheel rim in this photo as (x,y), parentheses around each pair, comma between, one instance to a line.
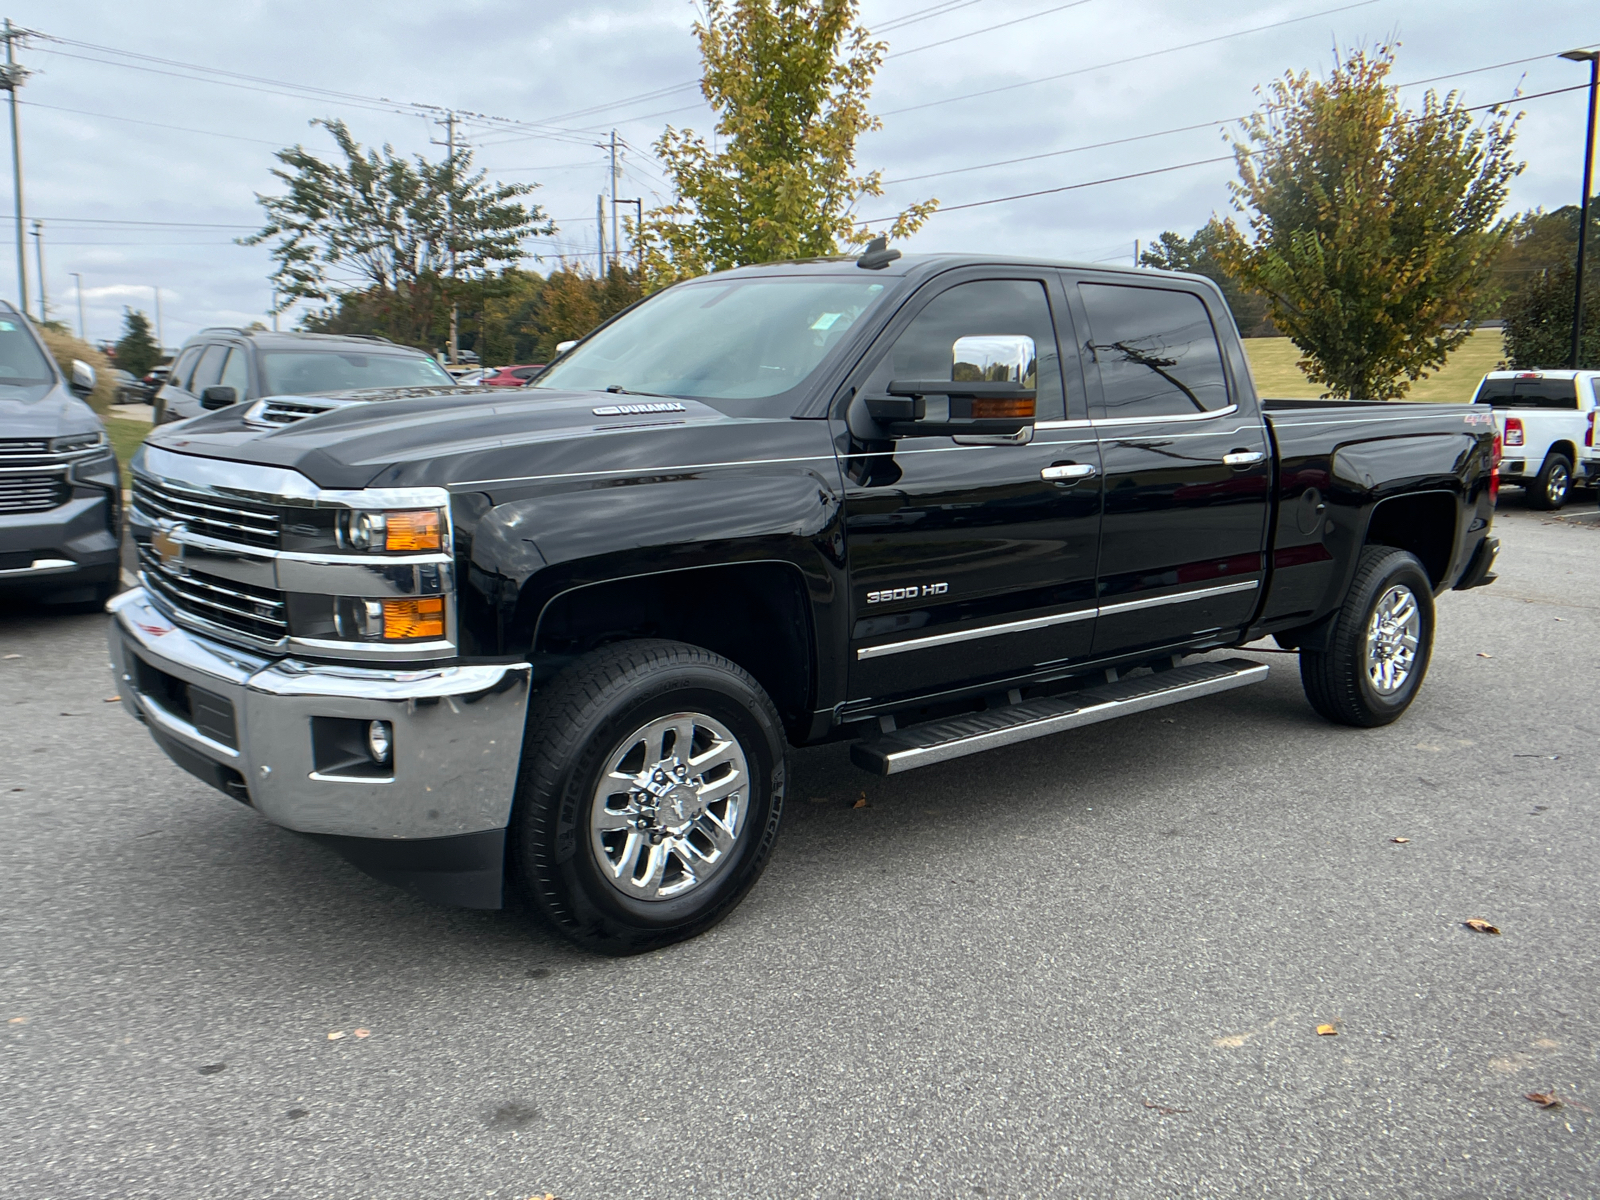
(669,809)
(1393,635)
(1556,490)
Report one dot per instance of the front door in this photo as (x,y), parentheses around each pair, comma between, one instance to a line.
(1187,470)
(970,559)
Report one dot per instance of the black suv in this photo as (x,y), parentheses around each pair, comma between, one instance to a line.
(224,366)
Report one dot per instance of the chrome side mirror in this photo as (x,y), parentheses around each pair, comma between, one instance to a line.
(563,347)
(995,358)
(83,379)
(991,392)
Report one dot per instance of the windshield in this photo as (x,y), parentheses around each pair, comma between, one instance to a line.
(24,373)
(302,372)
(744,339)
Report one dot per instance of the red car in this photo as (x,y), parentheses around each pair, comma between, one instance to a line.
(514,376)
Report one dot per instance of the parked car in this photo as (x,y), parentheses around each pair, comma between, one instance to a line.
(467,376)
(1548,423)
(930,506)
(128,388)
(155,378)
(60,492)
(224,366)
(514,376)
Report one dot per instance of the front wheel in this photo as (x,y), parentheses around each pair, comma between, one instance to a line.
(1378,649)
(650,794)
(1549,490)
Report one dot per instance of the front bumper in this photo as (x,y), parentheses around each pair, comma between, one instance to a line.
(70,546)
(245,724)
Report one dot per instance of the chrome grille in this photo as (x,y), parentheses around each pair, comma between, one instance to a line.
(33,493)
(242,607)
(229,520)
(11,448)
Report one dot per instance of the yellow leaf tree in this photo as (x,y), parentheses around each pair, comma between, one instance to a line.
(789,80)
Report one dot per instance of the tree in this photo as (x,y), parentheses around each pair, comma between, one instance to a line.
(1198,256)
(136,351)
(1373,230)
(1539,320)
(789,80)
(411,230)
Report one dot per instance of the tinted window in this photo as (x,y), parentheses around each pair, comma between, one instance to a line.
(24,373)
(302,372)
(184,367)
(1157,351)
(986,308)
(236,373)
(1528,393)
(721,339)
(209,369)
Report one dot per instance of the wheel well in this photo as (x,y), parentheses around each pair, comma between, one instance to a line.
(1423,524)
(754,614)
(1566,449)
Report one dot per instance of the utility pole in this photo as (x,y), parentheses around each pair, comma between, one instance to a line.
(274,310)
(1592,58)
(83,332)
(11,79)
(449,122)
(161,341)
(38,250)
(1136,252)
(638,205)
(600,229)
(616,240)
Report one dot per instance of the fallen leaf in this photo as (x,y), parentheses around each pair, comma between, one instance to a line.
(17,1021)
(1233,1041)
(1481,926)
(213,1068)
(1327,1031)
(361,1033)
(336,1035)
(1164,1109)
(1545,1099)
(861,803)
(1399,841)
(1481,654)
(112,700)
(13,656)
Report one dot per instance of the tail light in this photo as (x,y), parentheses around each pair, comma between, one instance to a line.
(1513,431)
(1494,472)
(1594,420)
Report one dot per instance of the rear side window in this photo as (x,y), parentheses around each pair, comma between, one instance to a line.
(1157,351)
(184,367)
(209,369)
(1528,393)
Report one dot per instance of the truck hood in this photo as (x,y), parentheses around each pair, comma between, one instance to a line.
(58,413)
(407,437)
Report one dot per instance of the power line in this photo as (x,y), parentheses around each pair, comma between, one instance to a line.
(961,37)
(83,112)
(924,14)
(1010,87)
(129,221)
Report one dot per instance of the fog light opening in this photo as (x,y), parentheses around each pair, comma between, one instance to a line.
(380,742)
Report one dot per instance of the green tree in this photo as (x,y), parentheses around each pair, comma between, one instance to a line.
(1538,318)
(1198,256)
(1373,229)
(789,80)
(136,351)
(415,232)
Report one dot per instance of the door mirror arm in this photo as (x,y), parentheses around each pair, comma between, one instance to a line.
(927,408)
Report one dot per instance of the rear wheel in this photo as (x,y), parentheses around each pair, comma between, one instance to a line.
(650,795)
(1551,487)
(1378,650)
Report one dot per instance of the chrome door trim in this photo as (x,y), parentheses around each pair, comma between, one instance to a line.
(1107,610)
(945,639)
(1069,472)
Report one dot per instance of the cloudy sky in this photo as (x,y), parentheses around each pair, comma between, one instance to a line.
(147,128)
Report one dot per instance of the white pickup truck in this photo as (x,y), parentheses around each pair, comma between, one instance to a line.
(1549,423)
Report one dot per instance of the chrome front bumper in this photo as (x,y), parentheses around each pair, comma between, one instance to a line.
(457,730)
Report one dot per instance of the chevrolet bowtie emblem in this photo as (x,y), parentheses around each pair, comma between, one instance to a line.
(169,550)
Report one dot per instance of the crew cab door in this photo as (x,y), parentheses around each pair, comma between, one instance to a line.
(1187,466)
(970,558)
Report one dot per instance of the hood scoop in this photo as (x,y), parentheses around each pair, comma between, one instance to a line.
(277,411)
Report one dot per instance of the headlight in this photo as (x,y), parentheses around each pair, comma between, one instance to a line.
(76,443)
(402,620)
(408,530)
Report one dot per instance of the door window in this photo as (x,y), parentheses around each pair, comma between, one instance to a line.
(209,369)
(184,367)
(983,308)
(236,373)
(1157,351)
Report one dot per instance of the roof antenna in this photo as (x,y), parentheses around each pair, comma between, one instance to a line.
(877,255)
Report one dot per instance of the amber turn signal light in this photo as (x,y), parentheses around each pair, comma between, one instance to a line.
(420,618)
(996,408)
(416,530)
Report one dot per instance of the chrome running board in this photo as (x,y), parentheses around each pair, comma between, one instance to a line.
(937,741)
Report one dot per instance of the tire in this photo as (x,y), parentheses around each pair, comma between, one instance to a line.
(1338,681)
(604,889)
(1553,485)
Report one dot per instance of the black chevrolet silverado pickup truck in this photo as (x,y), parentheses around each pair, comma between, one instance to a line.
(934,505)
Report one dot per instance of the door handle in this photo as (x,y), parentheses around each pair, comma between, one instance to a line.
(1243,458)
(1069,472)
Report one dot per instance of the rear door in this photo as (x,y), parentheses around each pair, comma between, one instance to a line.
(970,559)
(1187,466)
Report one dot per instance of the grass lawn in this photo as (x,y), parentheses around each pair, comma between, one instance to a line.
(1272,362)
(125,437)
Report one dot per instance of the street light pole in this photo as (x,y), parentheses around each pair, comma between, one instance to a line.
(161,342)
(1592,57)
(83,332)
(38,249)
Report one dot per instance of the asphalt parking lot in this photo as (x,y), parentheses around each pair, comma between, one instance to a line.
(1093,965)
